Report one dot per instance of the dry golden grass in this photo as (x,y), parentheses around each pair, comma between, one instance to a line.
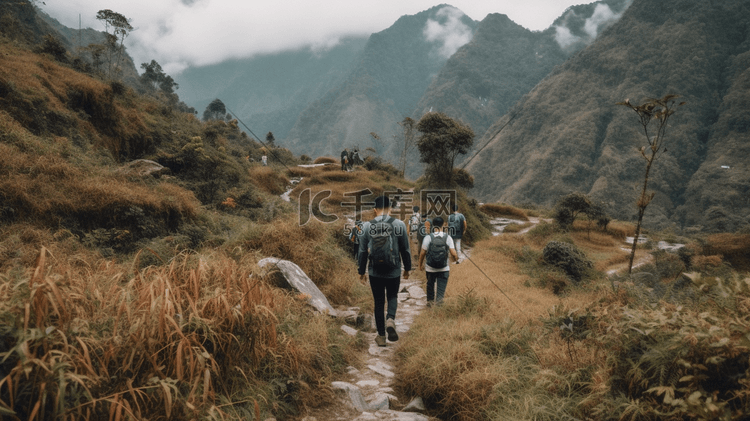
(496,211)
(268,179)
(192,339)
(325,160)
(734,247)
(493,358)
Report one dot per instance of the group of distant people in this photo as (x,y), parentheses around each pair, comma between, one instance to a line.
(384,248)
(349,159)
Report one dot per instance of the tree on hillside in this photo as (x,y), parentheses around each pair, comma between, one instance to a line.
(409,125)
(658,111)
(120,30)
(270,140)
(440,143)
(154,77)
(216,110)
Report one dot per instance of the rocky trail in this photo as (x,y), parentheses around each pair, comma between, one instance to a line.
(368,393)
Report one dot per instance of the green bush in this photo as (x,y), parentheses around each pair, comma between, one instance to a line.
(568,258)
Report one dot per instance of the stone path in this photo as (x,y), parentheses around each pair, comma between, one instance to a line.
(368,393)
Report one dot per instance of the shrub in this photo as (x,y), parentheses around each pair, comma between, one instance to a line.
(568,258)
(325,160)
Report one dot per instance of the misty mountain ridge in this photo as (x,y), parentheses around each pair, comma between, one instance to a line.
(568,135)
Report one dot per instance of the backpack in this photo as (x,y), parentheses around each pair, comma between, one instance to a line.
(455,225)
(437,251)
(384,253)
(414,223)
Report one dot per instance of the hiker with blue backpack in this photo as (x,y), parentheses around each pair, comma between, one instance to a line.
(383,246)
(457,228)
(433,259)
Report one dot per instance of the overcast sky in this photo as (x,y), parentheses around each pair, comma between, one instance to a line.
(182,33)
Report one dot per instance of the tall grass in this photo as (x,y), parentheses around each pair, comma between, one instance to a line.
(194,338)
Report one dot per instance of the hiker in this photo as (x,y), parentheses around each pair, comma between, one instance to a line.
(356,160)
(414,222)
(457,228)
(355,235)
(344,159)
(384,243)
(264,160)
(350,160)
(435,250)
(423,230)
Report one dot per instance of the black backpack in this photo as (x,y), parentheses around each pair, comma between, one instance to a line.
(384,253)
(437,252)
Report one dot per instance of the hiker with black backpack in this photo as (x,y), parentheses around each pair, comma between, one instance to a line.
(383,246)
(434,260)
(457,227)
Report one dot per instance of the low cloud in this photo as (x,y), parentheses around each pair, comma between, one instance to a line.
(448,31)
(602,17)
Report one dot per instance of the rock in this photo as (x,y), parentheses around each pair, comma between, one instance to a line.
(368,383)
(143,168)
(349,330)
(355,395)
(416,292)
(380,402)
(292,277)
(416,405)
(382,369)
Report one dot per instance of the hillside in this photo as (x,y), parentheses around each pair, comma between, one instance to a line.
(568,134)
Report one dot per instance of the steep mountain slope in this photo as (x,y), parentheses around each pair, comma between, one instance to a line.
(268,92)
(568,134)
(397,66)
(487,76)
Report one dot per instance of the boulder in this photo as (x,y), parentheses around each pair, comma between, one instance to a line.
(143,168)
(290,276)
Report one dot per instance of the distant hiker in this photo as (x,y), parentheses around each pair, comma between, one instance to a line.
(457,227)
(435,250)
(264,160)
(355,235)
(344,159)
(356,160)
(384,244)
(423,230)
(414,222)
(350,160)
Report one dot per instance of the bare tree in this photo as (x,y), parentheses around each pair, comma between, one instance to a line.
(658,111)
(120,29)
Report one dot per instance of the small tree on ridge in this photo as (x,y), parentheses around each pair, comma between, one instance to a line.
(440,143)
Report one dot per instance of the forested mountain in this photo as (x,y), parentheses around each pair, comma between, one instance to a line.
(268,92)
(504,61)
(568,135)
(385,85)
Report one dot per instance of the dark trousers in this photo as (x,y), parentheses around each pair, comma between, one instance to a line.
(384,289)
(439,280)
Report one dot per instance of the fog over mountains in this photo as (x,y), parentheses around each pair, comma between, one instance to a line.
(400,72)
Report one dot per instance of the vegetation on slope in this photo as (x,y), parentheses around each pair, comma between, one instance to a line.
(524,340)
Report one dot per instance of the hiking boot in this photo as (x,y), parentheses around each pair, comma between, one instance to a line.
(390,328)
(380,340)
